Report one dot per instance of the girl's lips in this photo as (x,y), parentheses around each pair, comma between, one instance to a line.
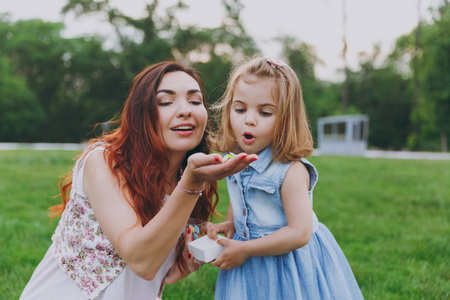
(248,138)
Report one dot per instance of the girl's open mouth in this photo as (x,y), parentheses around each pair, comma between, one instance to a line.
(248,137)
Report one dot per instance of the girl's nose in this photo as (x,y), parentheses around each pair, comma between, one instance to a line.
(250,120)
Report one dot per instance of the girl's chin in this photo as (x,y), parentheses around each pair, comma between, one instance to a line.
(248,150)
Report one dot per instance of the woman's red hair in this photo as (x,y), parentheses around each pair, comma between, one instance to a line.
(137,157)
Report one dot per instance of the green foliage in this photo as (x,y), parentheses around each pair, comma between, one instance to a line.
(65,86)
(435,73)
(384,95)
(390,217)
(74,82)
(21,115)
(427,49)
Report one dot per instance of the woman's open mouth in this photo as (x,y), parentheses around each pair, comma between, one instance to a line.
(183,129)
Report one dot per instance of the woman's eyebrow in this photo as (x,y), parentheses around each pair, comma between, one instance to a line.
(171,92)
(194,91)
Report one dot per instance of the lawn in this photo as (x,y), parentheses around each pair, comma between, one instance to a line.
(390,217)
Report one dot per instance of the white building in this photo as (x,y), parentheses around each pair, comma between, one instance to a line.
(343,135)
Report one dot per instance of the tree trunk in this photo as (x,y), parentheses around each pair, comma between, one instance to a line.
(416,70)
(444,142)
(344,95)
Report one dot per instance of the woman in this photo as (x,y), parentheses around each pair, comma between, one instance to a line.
(131,194)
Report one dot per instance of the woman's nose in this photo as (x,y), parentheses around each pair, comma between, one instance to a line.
(184,110)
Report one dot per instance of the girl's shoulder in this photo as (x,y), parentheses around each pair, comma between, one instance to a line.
(297,173)
(313,173)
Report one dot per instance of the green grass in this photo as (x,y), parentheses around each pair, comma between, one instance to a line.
(390,217)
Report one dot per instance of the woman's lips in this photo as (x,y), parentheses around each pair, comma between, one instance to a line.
(183,129)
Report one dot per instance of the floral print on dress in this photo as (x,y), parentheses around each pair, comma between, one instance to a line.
(81,248)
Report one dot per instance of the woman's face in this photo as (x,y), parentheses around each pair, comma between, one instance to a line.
(182,115)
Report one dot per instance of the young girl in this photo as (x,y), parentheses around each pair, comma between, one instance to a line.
(132,192)
(278,249)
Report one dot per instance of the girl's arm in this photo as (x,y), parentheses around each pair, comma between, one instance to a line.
(297,233)
(145,248)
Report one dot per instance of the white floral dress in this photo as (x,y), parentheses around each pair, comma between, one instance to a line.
(81,263)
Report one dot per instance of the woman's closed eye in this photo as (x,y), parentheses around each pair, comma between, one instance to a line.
(196,101)
(165,100)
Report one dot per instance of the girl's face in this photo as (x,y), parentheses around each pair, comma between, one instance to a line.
(253,114)
(182,115)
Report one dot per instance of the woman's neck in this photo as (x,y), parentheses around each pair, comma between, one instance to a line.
(173,172)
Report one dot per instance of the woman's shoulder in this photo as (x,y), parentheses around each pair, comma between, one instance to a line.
(94,154)
(96,162)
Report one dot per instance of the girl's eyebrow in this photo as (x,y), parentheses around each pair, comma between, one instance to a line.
(260,105)
(171,92)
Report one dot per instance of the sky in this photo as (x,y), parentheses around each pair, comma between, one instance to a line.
(316,22)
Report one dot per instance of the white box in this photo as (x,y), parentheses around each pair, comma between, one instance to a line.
(205,249)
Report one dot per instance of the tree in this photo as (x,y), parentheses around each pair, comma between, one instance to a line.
(387,97)
(160,38)
(435,75)
(75,81)
(431,112)
(21,115)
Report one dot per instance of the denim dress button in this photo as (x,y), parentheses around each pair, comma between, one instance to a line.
(247,169)
(244,212)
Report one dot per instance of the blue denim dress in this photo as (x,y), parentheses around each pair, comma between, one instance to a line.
(318,270)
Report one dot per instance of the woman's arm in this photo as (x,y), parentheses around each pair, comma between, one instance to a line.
(145,248)
(297,233)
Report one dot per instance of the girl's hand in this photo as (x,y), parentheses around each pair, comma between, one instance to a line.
(227,228)
(202,167)
(233,256)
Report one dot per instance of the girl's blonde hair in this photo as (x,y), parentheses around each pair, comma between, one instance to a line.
(292,138)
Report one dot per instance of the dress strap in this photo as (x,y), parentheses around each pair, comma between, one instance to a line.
(78,170)
(313,174)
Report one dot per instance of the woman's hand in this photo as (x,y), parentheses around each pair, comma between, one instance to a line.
(202,167)
(193,264)
(227,228)
(233,256)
